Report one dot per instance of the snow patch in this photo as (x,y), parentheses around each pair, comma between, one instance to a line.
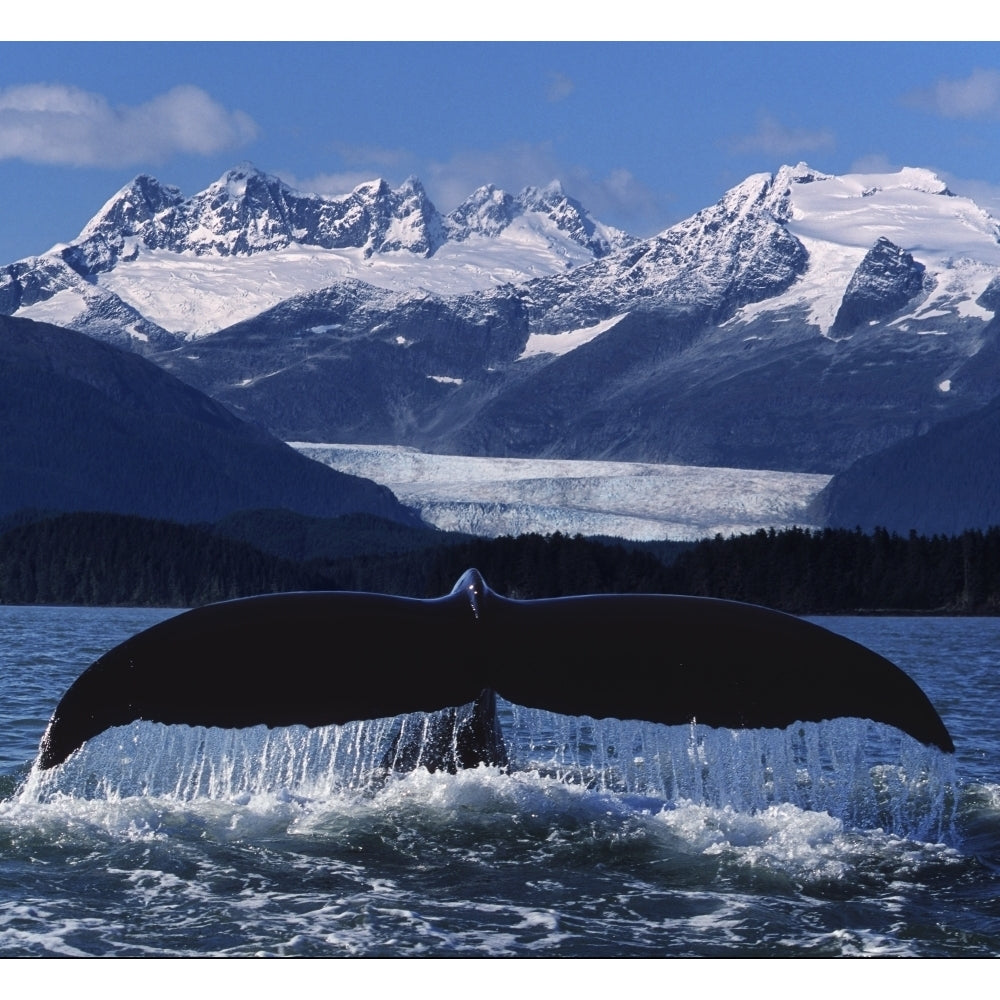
(563,343)
(61,309)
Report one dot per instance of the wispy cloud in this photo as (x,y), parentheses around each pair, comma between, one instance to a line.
(560,87)
(380,156)
(51,123)
(974,96)
(874,163)
(775,139)
(331,184)
(362,164)
(618,198)
(984,193)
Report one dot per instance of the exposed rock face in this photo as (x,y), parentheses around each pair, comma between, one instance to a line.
(247,212)
(990,299)
(885,281)
(736,252)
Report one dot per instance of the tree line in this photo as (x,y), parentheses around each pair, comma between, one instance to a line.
(110,559)
(842,571)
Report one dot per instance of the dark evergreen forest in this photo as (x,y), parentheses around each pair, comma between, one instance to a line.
(110,559)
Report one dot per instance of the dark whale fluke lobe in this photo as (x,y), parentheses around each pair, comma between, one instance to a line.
(318,659)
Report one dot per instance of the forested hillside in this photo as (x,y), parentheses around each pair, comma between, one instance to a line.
(845,571)
(85,426)
(107,559)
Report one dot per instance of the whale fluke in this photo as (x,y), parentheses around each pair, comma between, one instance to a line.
(319,659)
(454,738)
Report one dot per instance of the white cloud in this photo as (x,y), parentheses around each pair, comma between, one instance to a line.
(775,139)
(975,96)
(363,163)
(331,185)
(560,87)
(874,163)
(984,193)
(51,123)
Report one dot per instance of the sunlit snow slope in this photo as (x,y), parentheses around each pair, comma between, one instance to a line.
(838,219)
(194,265)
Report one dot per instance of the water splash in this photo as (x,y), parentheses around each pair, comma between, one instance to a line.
(867,775)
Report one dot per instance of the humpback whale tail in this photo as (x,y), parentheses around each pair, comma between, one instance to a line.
(318,659)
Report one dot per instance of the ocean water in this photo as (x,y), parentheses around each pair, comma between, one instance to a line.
(602,839)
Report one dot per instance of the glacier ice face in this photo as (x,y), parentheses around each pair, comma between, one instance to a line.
(641,501)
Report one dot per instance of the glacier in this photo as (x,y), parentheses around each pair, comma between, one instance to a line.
(639,501)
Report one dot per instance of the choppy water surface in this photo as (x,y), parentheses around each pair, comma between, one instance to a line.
(609,839)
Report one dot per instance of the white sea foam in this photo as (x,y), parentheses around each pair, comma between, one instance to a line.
(864,774)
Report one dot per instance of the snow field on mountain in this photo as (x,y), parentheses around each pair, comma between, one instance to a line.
(838,219)
(640,501)
(199,294)
(61,309)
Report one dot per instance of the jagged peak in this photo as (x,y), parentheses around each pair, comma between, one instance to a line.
(801,173)
(241,172)
(485,194)
(554,189)
(376,188)
(131,204)
(236,181)
(752,195)
(412,185)
(543,198)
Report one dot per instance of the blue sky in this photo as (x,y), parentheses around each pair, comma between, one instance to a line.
(643,134)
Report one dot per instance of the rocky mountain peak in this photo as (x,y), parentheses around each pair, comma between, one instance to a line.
(131,208)
(886,280)
(489,210)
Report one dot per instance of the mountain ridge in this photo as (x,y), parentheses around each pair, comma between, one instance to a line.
(86,426)
(198,249)
(802,322)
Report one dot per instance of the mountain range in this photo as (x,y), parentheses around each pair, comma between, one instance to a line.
(803,323)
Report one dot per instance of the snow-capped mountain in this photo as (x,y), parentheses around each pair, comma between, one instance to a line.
(247,212)
(490,211)
(160,262)
(793,240)
(802,322)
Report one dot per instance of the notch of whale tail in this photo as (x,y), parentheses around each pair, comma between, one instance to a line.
(454,738)
(318,659)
